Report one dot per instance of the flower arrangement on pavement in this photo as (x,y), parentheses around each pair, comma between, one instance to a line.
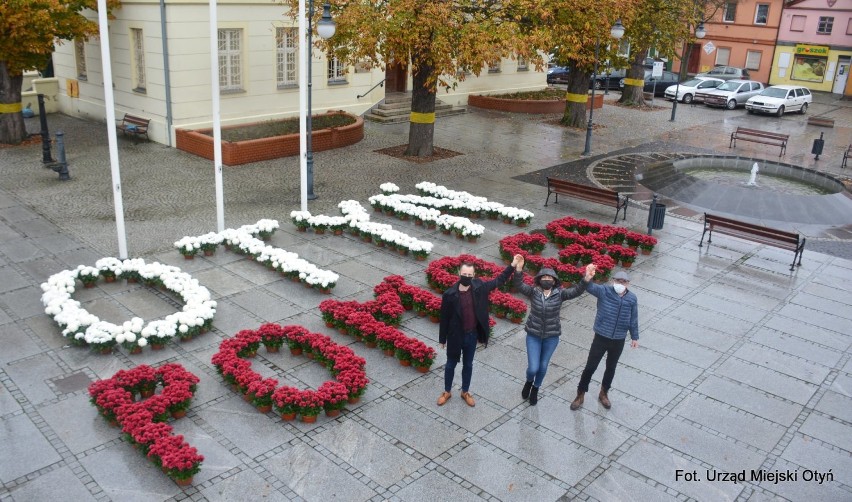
(143,422)
(85,329)
(348,385)
(476,206)
(443,273)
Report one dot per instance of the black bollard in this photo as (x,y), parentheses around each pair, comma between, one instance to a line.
(45,136)
(61,167)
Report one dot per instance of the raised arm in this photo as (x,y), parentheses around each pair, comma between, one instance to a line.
(577,290)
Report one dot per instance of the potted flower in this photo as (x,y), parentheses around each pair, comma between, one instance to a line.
(188,247)
(209,243)
(88,275)
(300,219)
(335,395)
(388,188)
(647,243)
(310,405)
(262,391)
(284,399)
(403,355)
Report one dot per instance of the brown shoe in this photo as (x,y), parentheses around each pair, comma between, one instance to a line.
(602,397)
(445,396)
(468,399)
(578,401)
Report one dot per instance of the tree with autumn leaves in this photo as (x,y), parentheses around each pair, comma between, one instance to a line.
(28,31)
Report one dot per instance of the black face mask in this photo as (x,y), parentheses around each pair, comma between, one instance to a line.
(465,281)
(547,284)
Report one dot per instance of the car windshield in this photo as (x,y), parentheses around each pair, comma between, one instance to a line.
(692,83)
(729,86)
(774,92)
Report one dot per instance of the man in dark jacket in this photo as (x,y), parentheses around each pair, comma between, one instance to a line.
(464,322)
(618,314)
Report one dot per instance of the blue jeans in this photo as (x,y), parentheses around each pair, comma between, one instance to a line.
(539,351)
(468,349)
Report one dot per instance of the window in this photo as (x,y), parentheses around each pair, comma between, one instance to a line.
(824,26)
(799,92)
(762,13)
(285,57)
(753,60)
(138,44)
(849,27)
(730,12)
(230,60)
(523,65)
(798,23)
(722,56)
(755,86)
(336,70)
(80,58)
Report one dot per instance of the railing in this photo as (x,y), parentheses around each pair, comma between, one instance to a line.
(380,84)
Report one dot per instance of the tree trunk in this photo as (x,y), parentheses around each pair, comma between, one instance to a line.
(632,95)
(421,131)
(576,112)
(12,128)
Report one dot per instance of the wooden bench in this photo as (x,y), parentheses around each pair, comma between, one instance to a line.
(134,126)
(755,233)
(586,192)
(820,121)
(846,155)
(758,136)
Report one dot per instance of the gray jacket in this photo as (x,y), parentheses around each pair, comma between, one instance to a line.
(543,320)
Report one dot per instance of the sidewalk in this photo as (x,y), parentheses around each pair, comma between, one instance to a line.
(741,366)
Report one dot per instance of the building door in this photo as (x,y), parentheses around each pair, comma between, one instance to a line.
(841,76)
(396,77)
(693,66)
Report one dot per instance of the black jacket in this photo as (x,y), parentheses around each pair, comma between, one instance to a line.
(451,317)
(543,320)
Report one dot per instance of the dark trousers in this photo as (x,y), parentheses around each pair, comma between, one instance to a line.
(601,345)
(468,350)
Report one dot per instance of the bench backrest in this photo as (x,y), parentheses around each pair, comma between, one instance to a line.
(763,134)
(137,121)
(761,231)
(583,189)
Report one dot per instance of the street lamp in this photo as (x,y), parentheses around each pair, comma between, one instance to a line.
(325,29)
(699,34)
(616,32)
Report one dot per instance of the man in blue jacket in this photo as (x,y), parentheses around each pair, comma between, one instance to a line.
(464,322)
(618,314)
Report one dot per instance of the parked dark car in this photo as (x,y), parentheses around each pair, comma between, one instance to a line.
(662,83)
(559,75)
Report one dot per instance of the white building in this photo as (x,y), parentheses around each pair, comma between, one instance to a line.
(258,74)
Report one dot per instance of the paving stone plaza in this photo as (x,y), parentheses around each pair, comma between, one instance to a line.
(743,366)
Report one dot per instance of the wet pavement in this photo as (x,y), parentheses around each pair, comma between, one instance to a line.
(742,365)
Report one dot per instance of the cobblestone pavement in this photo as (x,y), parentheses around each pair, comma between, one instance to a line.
(743,365)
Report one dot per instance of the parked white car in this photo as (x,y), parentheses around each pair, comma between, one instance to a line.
(731,94)
(687,91)
(779,99)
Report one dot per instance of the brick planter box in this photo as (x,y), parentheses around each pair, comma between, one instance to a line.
(198,142)
(524,105)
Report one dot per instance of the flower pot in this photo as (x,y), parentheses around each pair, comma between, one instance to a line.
(296,351)
(517,320)
(422,369)
(522,223)
(247,397)
(646,251)
(189,257)
(472,239)
(388,352)
(343,330)
(310,355)
(404,362)
(627,264)
(272,349)
(146,393)
(337,232)
(419,257)
(109,278)
(178,414)
(88,285)
(325,291)
(136,350)
(251,354)
(329,324)
(209,252)
(367,238)
(353,400)
(309,419)
(308,285)
(266,408)
(302,229)
(381,244)
(421,313)
(106,350)
(371,345)
(183,481)
(287,417)
(507,220)
(446,232)
(435,319)
(500,315)
(157,346)
(332,413)
(319,231)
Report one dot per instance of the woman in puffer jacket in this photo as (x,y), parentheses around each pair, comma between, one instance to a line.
(543,324)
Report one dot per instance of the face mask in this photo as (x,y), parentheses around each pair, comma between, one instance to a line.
(465,281)
(619,288)
(546,284)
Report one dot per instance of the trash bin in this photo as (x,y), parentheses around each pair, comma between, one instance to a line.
(656,215)
(819,143)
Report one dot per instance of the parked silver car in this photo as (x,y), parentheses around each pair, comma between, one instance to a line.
(778,99)
(731,94)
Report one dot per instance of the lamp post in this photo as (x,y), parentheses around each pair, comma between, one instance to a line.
(699,34)
(325,29)
(616,32)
